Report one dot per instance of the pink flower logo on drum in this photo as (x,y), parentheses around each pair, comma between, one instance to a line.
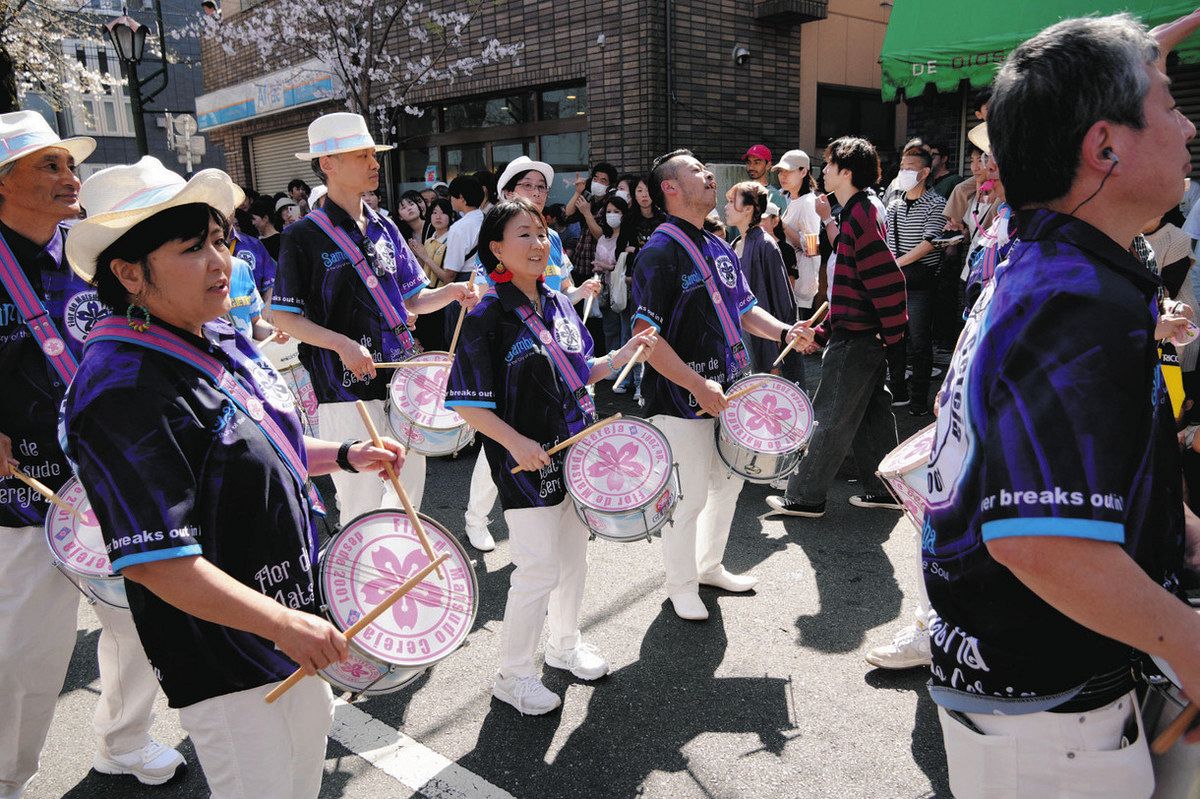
(391,575)
(767,415)
(617,465)
(354,667)
(431,389)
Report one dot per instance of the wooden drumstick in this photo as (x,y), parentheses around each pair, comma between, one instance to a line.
(37,486)
(812,320)
(629,365)
(358,626)
(462,314)
(410,364)
(560,446)
(587,307)
(741,392)
(1167,738)
(396,484)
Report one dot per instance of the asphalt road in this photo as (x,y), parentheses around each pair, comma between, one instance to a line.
(768,698)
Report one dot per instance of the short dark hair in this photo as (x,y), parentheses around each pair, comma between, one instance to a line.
(413,197)
(553,212)
(755,195)
(1035,136)
(859,156)
(263,206)
(487,179)
(297,183)
(447,209)
(494,222)
(917,149)
(663,169)
(469,189)
(608,169)
(181,223)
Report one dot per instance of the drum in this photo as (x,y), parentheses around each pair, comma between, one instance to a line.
(623,481)
(360,566)
(285,358)
(78,549)
(417,411)
(1177,772)
(903,472)
(762,435)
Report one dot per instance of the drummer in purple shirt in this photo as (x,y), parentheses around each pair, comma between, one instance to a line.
(337,312)
(698,361)
(519,378)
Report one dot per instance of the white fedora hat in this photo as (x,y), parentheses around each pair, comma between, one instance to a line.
(120,197)
(339,132)
(23,133)
(523,163)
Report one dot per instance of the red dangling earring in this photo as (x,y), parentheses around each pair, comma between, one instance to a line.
(501,275)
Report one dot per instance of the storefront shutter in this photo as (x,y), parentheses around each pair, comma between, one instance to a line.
(273,161)
(1185,88)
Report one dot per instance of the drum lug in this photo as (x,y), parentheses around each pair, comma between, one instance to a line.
(591,537)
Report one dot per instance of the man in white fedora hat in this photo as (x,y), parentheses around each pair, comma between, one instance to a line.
(346,285)
(45,314)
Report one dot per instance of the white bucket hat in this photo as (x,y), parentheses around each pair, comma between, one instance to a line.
(23,133)
(523,163)
(120,197)
(339,132)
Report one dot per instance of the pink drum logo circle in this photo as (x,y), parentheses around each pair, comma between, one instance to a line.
(419,393)
(372,282)
(75,538)
(775,418)
(369,559)
(913,452)
(255,409)
(545,337)
(622,466)
(53,347)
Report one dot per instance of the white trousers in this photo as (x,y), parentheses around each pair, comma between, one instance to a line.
(38,618)
(252,750)
(549,553)
(483,493)
(359,493)
(1051,755)
(695,544)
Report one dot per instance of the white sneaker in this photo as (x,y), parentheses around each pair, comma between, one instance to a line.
(909,649)
(526,694)
(723,578)
(481,539)
(584,661)
(153,764)
(689,606)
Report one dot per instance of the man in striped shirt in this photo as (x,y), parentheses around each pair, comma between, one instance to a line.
(914,220)
(867,314)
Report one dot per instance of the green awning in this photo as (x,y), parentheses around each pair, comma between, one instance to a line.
(941,42)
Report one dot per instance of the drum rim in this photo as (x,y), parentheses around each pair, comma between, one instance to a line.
(581,514)
(369,691)
(59,561)
(428,521)
(759,377)
(408,419)
(671,465)
(901,469)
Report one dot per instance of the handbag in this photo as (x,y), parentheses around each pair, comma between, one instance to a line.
(618,294)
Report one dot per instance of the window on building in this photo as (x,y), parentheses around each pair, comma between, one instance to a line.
(854,112)
(106,113)
(568,154)
(565,103)
(489,112)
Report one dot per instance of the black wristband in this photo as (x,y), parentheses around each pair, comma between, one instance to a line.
(343,460)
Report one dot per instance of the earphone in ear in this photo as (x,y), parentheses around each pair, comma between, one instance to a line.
(1110,155)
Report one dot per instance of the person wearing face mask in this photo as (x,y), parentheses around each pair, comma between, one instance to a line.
(584,207)
(605,262)
(914,220)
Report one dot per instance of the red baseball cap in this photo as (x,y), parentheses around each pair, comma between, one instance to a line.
(758,151)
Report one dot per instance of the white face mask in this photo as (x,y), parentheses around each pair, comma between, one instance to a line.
(613,220)
(906,180)
(624,195)
(598,188)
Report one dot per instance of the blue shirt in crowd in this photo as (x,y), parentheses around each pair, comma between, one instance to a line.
(500,365)
(173,469)
(669,293)
(1054,422)
(32,389)
(245,301)
(252,251)
(316,279)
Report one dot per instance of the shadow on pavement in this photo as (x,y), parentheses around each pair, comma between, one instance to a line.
(639,718)
(927,749)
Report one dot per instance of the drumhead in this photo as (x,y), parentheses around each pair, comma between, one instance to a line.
(419,393)
(75,539)
(369,558)
(620,467)
(775,418)
(282,356)
(912,452)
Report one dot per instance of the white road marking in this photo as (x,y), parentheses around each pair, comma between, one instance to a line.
(414,765)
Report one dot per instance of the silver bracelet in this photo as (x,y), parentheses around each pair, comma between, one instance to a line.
(613,371)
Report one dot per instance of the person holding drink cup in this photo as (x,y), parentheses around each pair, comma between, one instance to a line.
(801,224)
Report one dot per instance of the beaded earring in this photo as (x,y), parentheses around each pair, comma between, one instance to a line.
(137,317)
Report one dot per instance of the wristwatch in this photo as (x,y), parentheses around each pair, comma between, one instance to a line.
(343,459)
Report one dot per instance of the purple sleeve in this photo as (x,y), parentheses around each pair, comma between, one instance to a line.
(471,383)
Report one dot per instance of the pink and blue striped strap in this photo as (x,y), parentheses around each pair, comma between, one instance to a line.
(392,316)
(561,362)
(34,314)
(729,328)
(159,340)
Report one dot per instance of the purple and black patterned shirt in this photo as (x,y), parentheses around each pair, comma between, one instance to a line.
(317,280)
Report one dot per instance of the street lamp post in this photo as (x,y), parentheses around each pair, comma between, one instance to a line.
(128,37)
